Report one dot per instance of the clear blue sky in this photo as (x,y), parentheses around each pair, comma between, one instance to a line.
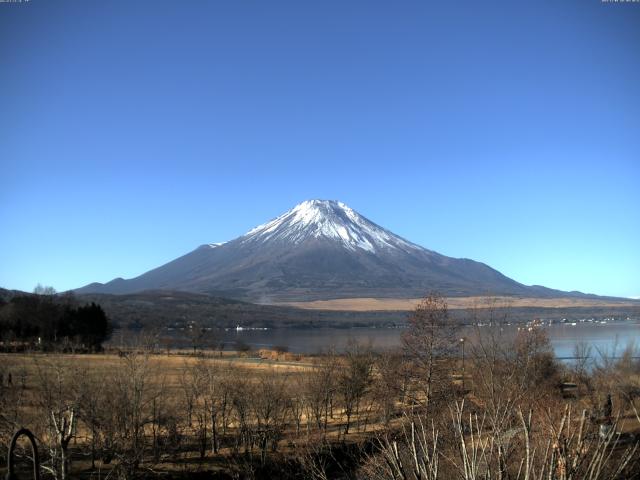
(133,131)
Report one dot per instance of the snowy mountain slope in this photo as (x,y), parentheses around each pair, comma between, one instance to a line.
(328,220)
(319,250)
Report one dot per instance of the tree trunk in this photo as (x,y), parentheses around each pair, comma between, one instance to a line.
(64,467)
(214,432)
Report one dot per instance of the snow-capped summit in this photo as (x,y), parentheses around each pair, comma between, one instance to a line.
(329,220)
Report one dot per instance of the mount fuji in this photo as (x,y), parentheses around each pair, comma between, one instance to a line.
(320,249)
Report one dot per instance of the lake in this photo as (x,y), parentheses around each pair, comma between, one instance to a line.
(611,337)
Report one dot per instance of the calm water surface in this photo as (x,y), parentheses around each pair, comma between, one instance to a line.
(610,338)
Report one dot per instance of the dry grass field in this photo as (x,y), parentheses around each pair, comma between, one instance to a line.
(164,370)
(456,303)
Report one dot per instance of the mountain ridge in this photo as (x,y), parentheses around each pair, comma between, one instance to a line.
(318,250)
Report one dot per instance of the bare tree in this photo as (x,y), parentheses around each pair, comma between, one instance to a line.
(430,340)
(91,392)
(565,450)
(64,426)
(511,370)
(270,409)
(195,388)
(297,400)
(40,289)
(215,401)
(320,389)
(241,396)
(58,402)
(389,384)
(354,379)
(130,402)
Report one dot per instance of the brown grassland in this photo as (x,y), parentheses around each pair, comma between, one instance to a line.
(455,303)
